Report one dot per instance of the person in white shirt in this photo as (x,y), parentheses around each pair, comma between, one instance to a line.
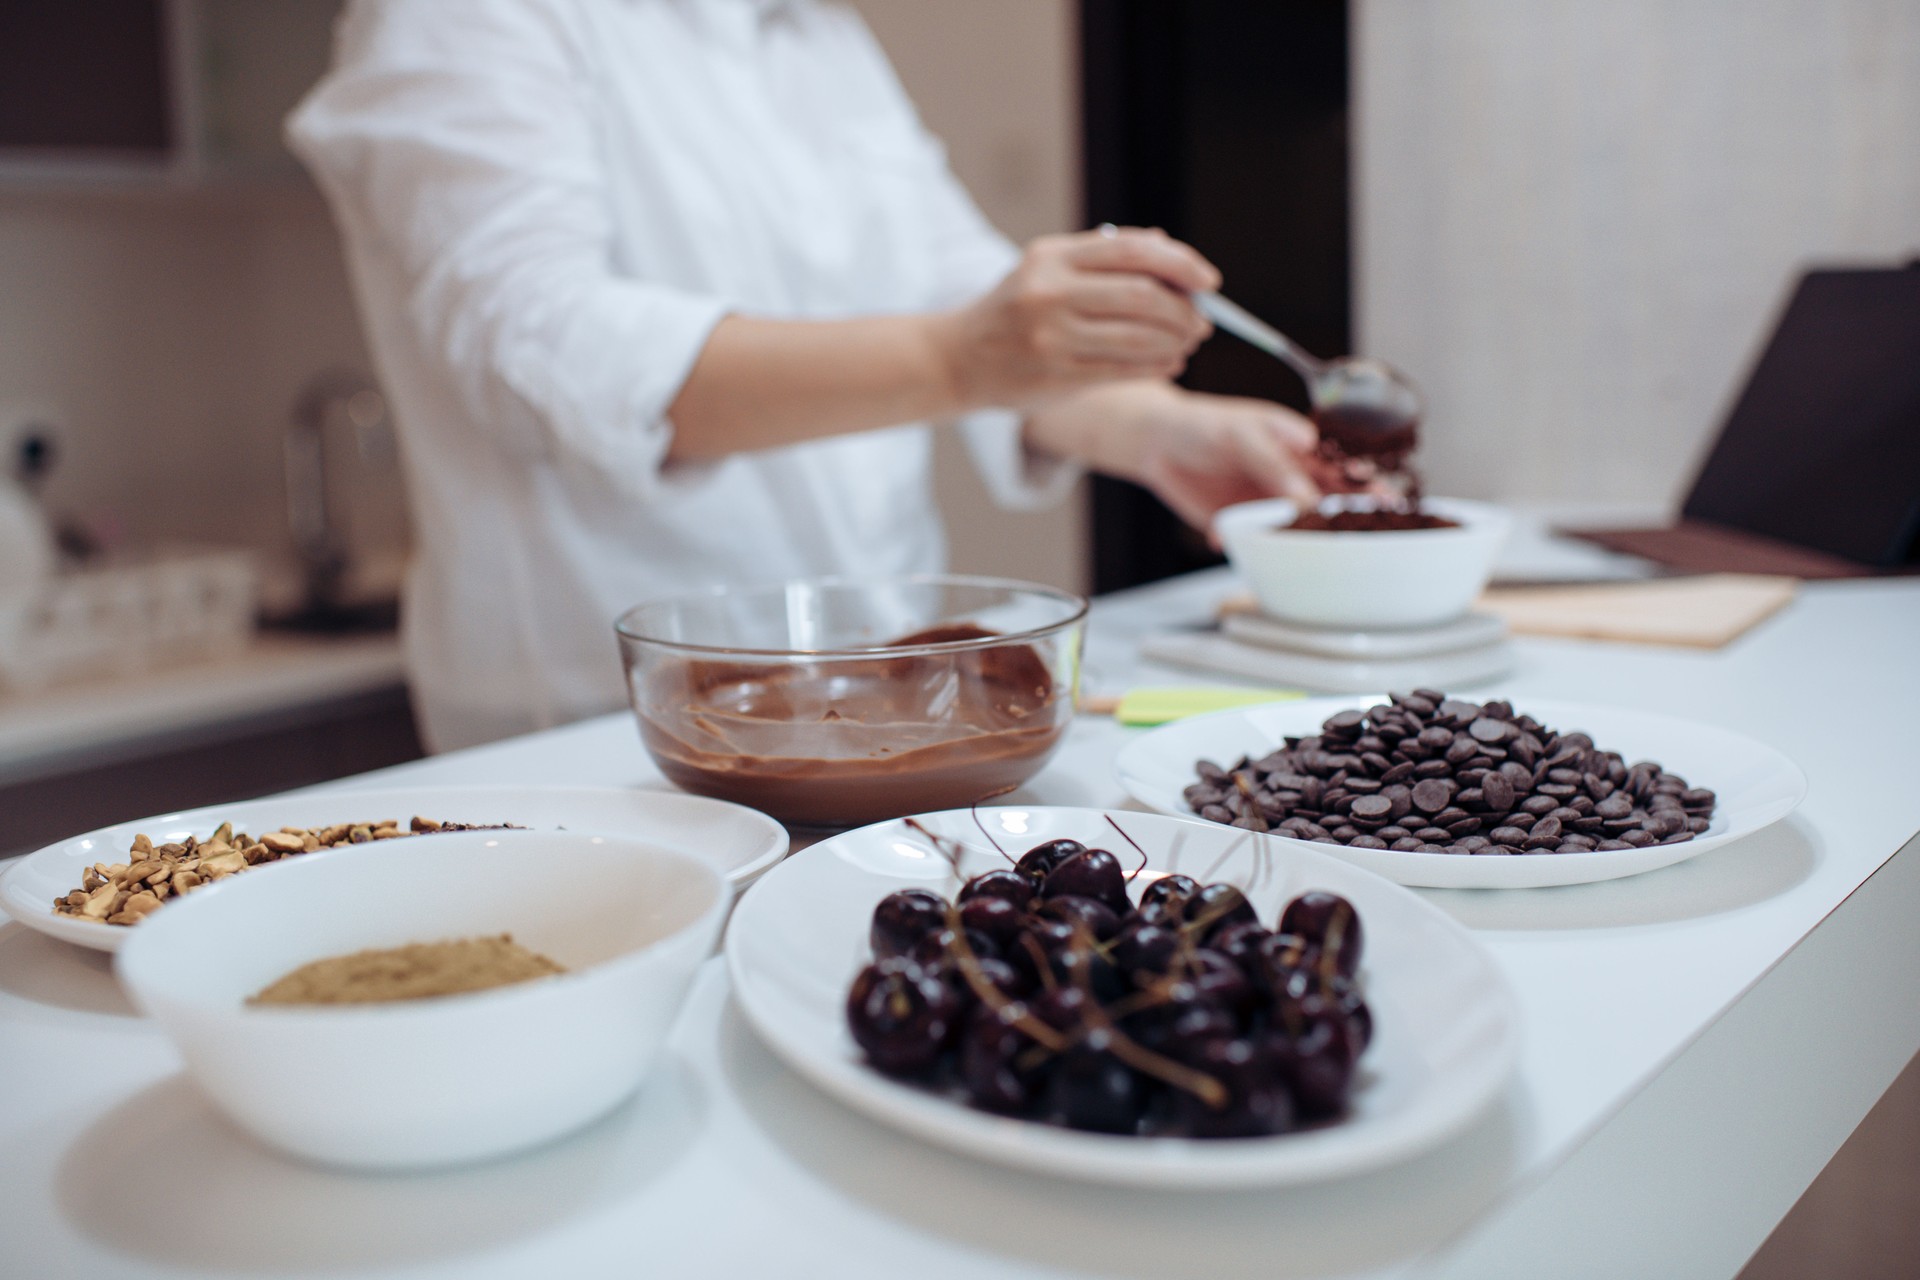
(668,293)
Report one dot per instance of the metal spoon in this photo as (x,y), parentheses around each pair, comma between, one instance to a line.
(1366,408)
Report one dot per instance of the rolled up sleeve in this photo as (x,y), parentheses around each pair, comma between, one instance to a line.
(456,139)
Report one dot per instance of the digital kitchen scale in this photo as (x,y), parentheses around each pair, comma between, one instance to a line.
(1473,649)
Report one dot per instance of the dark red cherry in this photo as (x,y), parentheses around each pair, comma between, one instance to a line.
(1297,998)
(1037,863)
(1191,1026)
(1217,978)
(993,1063)
(1093,873)
(1319,1068)
(996,918)
(1085,967)
(901,1016)
(1166,913)
(1051,933)
(1095,917)
(1169,889)
(1091,1089)
(1359,1016)
(938,946)
(1048,936)
(1328,921)
(1216,906)
(1283,953)
(1144,948)
(1011,981)
(902,919)
(1062,1008)
(1257,1097)
(999,883)
(1240,942)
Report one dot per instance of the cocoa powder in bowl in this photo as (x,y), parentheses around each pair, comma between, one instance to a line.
(416,971)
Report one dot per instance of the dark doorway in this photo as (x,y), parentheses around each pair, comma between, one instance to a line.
(1226,124)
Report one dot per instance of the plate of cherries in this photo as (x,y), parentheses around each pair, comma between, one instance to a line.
(1123,997)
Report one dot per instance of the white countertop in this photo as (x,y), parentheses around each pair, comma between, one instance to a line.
(1698,1041)
(46,730)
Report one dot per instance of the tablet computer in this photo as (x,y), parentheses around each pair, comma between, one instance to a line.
(1816,470)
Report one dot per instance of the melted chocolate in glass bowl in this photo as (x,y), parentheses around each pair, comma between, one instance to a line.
(853,740)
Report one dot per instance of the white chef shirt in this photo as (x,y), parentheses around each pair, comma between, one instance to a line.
(547,206)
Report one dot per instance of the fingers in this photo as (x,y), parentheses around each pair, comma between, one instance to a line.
(1131,297)
(1270,461)
(1086,373)
(1296,431)
(1125,342)
(1150,253)
(1272,446)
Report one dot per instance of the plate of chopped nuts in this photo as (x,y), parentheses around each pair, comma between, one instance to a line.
(1445,792)
(89,888)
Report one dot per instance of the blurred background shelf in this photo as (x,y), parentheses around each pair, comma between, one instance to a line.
(285,712)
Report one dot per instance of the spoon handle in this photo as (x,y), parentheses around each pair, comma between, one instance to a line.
(1243,324)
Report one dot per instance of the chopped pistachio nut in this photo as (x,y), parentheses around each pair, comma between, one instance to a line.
(124,892)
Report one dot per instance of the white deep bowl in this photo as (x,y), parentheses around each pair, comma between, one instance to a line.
(1382,579)
(430,1082)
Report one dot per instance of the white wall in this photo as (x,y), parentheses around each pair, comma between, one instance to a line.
(1576,221)
(165,335)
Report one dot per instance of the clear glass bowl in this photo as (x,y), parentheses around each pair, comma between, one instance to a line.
(836,703)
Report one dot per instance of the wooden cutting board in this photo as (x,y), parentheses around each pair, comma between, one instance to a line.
(1703,612)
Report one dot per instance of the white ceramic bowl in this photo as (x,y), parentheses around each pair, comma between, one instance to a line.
(1385,579)
(430,1082)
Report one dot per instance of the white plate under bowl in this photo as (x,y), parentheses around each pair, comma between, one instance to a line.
(1755,784)
(738,842)
(1446,1032)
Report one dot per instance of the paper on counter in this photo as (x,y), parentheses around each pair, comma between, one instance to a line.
(1703,612)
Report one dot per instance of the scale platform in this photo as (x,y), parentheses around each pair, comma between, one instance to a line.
(1470,650)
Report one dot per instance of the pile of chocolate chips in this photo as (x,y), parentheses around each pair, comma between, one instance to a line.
(1388,519)
(1431,774)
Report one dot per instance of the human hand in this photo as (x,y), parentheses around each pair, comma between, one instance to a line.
(1080,309)
(1201,453)
(1198,453)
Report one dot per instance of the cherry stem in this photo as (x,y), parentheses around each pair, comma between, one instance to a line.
(1330,945)
(1040,965)
(948,847)
(1144,1060)
(962,952)
(974,809)
(1135,843)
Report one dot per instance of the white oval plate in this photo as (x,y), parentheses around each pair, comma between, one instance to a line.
(738,842)
(1756,785)
(1446,1026)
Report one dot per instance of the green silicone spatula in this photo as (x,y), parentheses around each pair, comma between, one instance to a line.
(1174,702)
